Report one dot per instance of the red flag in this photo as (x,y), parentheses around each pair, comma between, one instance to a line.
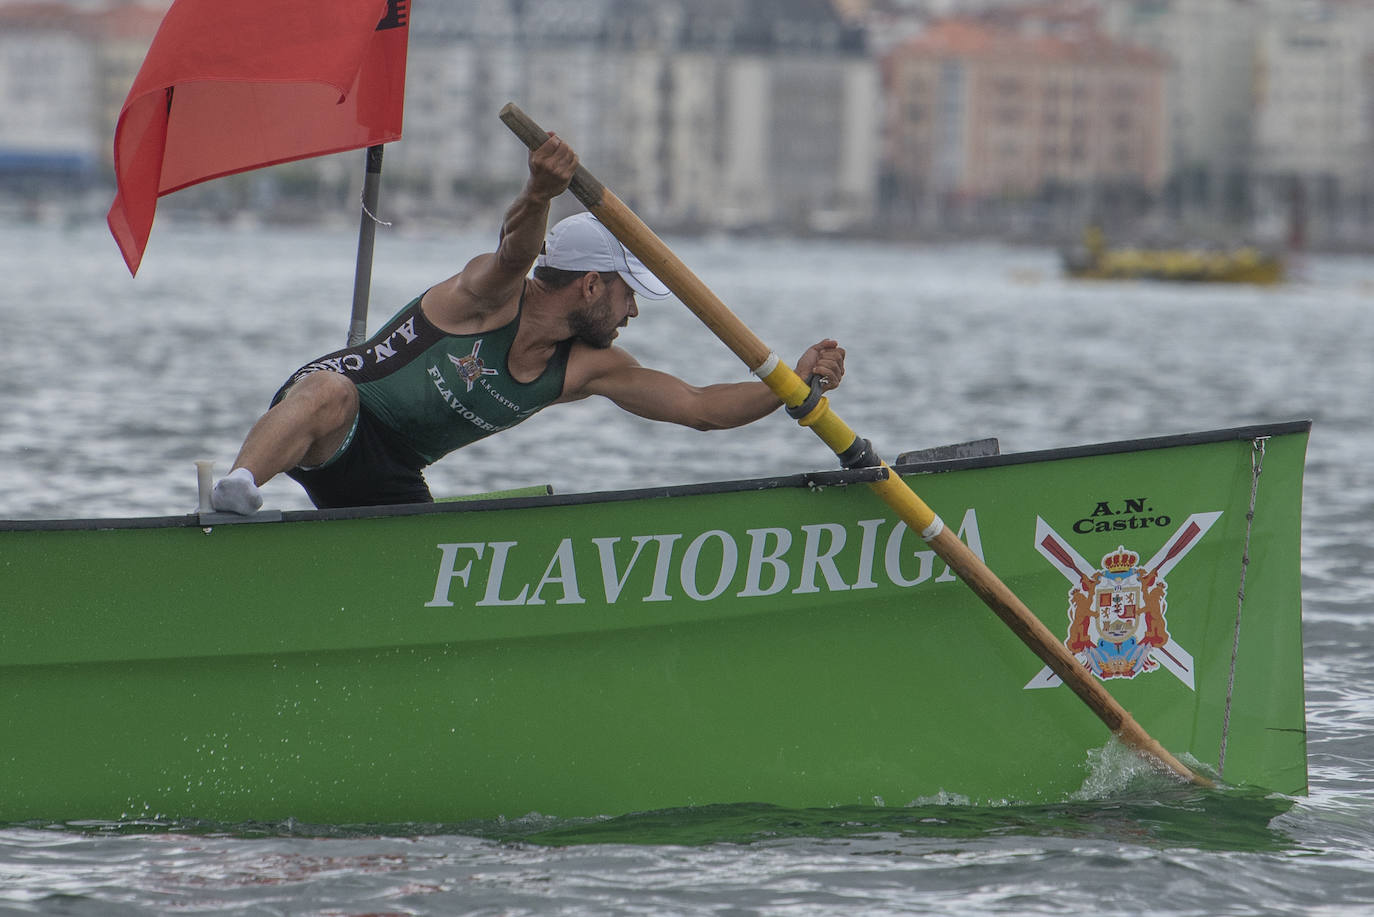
(232,86)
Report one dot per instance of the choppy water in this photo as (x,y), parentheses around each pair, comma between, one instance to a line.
(113,386)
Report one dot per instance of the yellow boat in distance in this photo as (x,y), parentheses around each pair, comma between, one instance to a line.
(1093,260)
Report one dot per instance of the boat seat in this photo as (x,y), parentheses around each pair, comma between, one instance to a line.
(977,448)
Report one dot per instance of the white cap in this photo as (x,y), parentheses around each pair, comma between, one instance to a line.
(582,243)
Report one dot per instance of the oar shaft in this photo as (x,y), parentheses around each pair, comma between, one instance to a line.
(792,391)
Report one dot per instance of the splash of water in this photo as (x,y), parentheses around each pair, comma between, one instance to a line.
(1117,770)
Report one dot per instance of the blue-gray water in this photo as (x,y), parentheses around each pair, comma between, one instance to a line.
(112,387)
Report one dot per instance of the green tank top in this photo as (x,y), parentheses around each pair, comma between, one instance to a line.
(438,391)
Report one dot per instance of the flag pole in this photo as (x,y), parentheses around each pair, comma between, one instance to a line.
(367,234)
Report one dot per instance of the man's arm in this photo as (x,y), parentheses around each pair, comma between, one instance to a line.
(527,220)
(657,395)
(490,281)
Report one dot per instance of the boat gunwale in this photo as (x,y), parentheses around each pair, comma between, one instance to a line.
(802,479)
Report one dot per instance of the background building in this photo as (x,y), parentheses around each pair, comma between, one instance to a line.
(699,112)
(1185,119)
(984,117)
(1210,47)
(49,125)
(1314,120)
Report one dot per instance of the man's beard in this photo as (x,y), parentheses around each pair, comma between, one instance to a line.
(592,325)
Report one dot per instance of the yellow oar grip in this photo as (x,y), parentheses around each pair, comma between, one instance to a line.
(783,380)
(793,391)
(836,434)
(912,510)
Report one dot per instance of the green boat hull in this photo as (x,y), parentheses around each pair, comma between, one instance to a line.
(782,641)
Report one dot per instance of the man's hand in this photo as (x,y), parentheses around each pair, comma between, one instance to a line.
(825,359)
(551,169)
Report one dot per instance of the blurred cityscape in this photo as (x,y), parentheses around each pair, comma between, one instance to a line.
(1171,121)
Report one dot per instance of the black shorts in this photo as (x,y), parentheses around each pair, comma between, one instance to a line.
(372,470)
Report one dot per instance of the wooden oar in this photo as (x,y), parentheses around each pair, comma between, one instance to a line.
(853,451)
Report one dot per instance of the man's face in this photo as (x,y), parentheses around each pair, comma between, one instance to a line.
(598,322)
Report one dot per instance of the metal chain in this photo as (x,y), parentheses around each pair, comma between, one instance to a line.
(1256,469)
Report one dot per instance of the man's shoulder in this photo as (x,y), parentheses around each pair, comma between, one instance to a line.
(460,307)
(589,367)
(601,358)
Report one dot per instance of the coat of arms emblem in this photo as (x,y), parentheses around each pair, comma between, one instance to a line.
(470,366)
(1117,610)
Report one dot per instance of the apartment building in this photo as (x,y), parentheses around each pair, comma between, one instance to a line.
(774,119)
(1313,95)
(49,129)
(1210,46)
(978,111)
(64,72)
(1314,122)
(698,112)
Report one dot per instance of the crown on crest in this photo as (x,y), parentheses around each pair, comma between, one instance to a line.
(1120,560)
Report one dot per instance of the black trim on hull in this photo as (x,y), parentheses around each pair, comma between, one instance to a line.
(807,479)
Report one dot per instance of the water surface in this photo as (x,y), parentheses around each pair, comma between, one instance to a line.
(114,386)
